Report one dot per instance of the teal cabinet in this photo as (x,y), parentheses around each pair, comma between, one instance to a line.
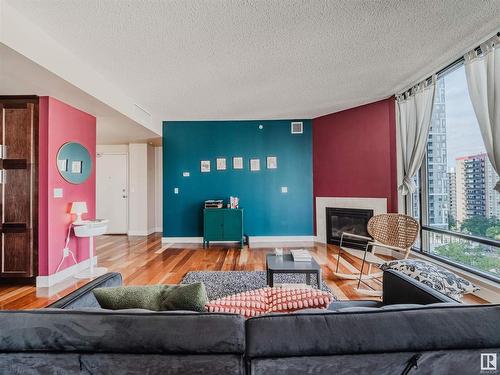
(222,224)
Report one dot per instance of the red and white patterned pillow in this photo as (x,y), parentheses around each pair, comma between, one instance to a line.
(266,300)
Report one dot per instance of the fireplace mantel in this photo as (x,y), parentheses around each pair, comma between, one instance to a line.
(378,205)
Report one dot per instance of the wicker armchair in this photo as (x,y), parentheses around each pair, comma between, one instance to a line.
(395,232)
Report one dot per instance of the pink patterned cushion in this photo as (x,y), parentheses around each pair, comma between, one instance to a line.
(266,300)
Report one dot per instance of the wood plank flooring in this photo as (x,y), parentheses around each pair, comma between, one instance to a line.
(145,260)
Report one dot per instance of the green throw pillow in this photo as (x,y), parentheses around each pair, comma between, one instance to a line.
(192,297)
(129,297)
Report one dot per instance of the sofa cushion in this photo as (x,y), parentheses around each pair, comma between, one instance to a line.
(59,330)
(454,326)
(271,300)
(337,305)
(192,297)
(433,276)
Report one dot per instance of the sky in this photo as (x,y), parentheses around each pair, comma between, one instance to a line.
(462,131)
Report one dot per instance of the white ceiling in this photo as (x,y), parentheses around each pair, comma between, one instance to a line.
(256,59)
(21,76)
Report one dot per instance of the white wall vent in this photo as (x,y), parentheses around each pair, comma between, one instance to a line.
(297,127)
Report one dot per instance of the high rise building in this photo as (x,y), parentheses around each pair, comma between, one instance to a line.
(437,177)
(492,196)
(452,196)
(475,193)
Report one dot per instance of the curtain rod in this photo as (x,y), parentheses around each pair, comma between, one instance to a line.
(450,67)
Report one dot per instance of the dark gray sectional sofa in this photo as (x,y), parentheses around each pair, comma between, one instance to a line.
(74,336)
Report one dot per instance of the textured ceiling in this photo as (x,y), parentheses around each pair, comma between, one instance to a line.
(185,59)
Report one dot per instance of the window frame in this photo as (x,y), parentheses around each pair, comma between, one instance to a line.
(426,229)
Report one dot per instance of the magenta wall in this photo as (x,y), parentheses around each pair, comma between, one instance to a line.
(354,153)
(61,123)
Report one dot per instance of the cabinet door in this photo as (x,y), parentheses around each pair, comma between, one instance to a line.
(232,225)
(213,225)
(18,189)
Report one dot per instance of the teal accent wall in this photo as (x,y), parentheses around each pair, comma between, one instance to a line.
(267,211)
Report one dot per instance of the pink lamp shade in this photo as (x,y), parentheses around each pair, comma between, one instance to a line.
(79,208)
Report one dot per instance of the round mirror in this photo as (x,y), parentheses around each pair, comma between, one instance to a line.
(74,162)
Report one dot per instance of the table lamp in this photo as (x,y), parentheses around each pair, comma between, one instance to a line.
(78,208)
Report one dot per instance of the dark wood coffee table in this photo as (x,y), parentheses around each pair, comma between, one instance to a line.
(285,264)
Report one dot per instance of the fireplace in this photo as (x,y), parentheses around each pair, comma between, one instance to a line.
(351,220)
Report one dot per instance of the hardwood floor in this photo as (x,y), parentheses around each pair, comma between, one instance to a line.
(145,260)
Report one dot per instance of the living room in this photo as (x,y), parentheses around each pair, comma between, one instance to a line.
(213,187)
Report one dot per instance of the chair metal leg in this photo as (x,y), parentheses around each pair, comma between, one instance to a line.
(363,265)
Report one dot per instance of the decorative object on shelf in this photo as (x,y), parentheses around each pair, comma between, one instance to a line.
(221,164)
(78,208)
(74,162)
(205,166)
(278,251)
(237,162)
(234,202)
(254,165)
(301,255)
(272,162)
(214,203)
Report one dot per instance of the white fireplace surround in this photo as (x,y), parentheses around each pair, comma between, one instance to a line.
(378,205)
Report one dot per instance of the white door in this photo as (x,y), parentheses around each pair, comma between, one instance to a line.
(112,191)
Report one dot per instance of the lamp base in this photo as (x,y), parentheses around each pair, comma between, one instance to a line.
(88,273)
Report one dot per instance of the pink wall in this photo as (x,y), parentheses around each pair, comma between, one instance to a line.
(61,123)
(354,153)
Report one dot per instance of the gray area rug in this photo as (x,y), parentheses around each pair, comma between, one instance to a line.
(224,283)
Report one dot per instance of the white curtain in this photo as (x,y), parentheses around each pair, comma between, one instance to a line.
(413,115)
(483,79)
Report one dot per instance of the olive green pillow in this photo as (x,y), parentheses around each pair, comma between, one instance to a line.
(129,297)
(192,297)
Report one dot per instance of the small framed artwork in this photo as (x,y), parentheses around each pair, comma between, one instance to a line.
(272,162)
(205,166)
(221,164)
(254,165)
(237,162)
(76,166)
(62,164)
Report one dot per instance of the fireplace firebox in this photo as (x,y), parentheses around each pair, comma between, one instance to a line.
(351,220)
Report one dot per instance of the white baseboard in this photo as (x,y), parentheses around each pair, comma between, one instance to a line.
(258,239)
(182,239)
(158,229)
(138,233)
(47,281)
(252,239)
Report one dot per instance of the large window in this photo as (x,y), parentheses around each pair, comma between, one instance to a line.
(456,183)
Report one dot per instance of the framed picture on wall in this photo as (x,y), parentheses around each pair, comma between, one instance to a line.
(205,166)
(221,164)
(237,162)
(76,166)
(254,165)
(272,162)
